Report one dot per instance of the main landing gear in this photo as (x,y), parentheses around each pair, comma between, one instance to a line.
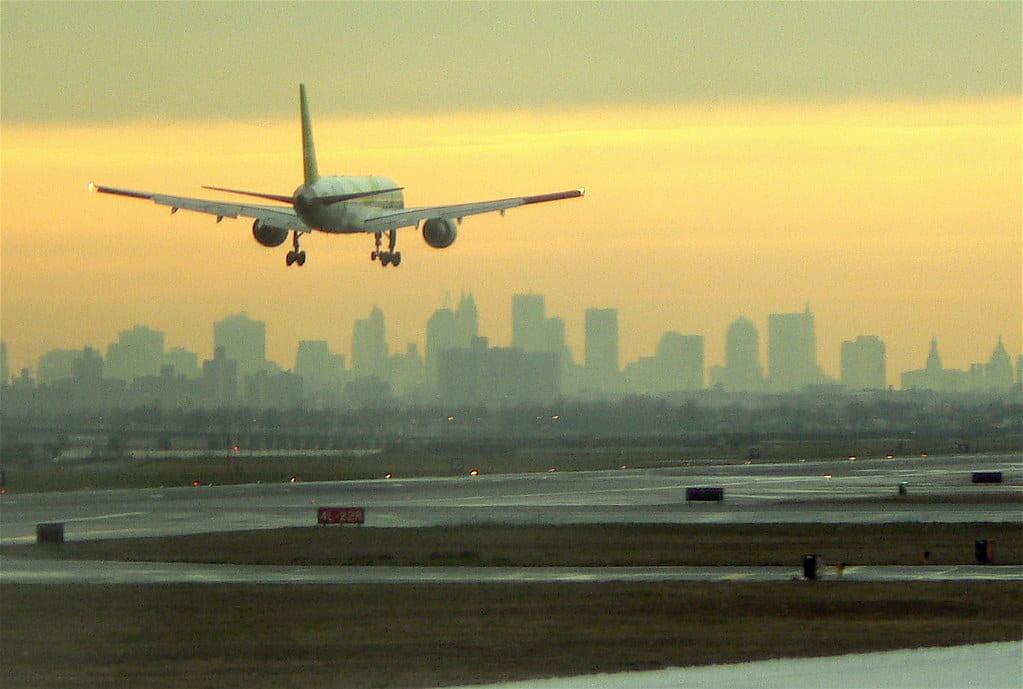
(295,255)
(389,257)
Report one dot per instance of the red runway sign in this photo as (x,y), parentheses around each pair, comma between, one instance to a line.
(341,515)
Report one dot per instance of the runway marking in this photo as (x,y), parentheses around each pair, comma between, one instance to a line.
(102,516)
(735,577)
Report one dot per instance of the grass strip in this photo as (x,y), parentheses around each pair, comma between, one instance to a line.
(183,636)
(580,545)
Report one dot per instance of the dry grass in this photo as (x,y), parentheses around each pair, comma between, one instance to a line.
(574,545)
(186,636)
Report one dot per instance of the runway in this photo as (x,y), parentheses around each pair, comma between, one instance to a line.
(16,570)
(820,491)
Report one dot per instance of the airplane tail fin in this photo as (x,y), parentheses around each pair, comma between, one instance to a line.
(308,149)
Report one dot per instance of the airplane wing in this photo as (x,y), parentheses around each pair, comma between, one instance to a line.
(278,216)
(413,216)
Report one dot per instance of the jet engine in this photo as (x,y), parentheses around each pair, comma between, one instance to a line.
(269,235)
(440,233)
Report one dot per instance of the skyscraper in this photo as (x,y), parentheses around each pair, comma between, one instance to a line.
(998,373)
(183,361)
(319,368)
(138,352)
(742,372)
(680,362)
(466,322)
(244,342)
(792,351)
(863,363)
(529,331)
(602,346)
(369,346)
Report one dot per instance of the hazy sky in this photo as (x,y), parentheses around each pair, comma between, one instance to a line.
(739,158)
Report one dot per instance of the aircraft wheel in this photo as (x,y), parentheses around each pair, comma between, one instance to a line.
(397,260)
(290,258)
(300,258)
(373,256)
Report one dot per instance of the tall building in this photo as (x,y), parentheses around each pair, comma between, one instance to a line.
(742,372)
(863,363)
(680,361)
(792,351)
(56,364)
(466,321)
(933,376)
(998,373)
(220,379)
(183,362)
(406,372)
(87,368)
(529,322)
(602,347)
(319,368)
(244,342)
(138,352)
(369,346)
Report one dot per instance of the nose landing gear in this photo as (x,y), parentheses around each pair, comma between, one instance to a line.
(389,257)
(295,255)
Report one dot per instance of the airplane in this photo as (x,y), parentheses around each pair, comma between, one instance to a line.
(338,205)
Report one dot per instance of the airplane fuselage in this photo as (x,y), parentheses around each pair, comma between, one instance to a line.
(346,217)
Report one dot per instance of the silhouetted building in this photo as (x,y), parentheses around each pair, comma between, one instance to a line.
(278,390)
(677,366)
(183,361)
(244,342)
(442,335)
(602,348)
(56,364)
(138,352)
(863,363)
(320,369)
(998,374)
(680,359)
(466,321)
(220,379)
(529,322)
(498,377)
(407,373)
(934,376)
(742,372)
(369,346)
(792,351)
(87,369)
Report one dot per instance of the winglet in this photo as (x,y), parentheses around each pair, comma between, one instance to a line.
(308,149)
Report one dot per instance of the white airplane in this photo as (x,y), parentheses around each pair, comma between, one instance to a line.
(339,205)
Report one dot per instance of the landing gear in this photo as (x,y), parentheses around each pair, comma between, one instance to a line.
(389,257)
(296,255)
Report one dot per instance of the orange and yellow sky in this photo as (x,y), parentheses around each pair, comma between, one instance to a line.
(888,198)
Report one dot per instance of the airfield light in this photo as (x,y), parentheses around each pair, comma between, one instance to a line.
(852,458)
(293,479)
(474,472)
(196,483)
(387,475)
(827,476)
(551,470)
(624,466)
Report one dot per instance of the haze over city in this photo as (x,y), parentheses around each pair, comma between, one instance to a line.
(728,172)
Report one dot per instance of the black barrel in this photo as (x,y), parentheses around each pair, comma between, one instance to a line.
(813,566)
(984,550)
(705,494)
(51,532)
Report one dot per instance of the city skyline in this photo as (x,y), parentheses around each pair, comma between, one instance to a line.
(869,164)
(747,361)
